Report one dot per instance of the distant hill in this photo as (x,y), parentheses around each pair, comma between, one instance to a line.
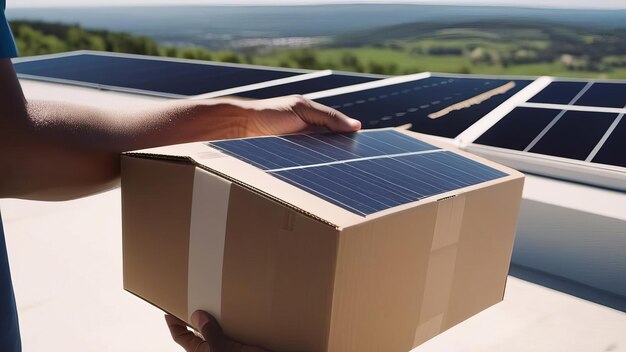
(496,30)
(217,27)
(486,46)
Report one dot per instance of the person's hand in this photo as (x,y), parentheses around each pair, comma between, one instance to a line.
(292,114)
(214,339)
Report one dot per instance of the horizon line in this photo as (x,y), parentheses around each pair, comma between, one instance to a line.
(491,3)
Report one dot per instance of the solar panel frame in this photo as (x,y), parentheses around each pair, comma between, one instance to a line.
(300,87)
(298,74)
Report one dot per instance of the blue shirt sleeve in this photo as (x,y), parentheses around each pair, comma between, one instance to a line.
(9,326)
(7,44)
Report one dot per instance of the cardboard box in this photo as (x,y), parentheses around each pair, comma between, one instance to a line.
(286,270)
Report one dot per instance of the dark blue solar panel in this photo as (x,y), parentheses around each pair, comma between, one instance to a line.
(362,172)
(518,128)
(334,80)
(413,102)
(575,134)
(299,150)
(181,78)
(368,186)
(558,93)
(609,95)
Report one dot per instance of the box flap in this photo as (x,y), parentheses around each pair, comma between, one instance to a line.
(258,180)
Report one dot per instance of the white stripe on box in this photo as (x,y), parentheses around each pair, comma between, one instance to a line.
(206,242)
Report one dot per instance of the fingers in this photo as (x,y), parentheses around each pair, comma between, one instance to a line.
(213,334)
(208,325)
(185,338)
(317,114)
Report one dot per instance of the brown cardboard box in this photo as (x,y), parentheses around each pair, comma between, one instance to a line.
(286,270)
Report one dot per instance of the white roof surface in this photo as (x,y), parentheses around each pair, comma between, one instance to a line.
(66,263)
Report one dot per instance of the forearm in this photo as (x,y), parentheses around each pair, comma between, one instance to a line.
(54,151)
(59,151)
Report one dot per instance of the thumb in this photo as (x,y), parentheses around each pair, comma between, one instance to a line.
(317,114)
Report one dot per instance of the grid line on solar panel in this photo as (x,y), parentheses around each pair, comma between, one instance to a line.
(364,190)
(517,129)
(605,137)
(545,130)
(610,95)
(612,150)
(367,174)
(300,150)
(575,135)
(334,80)
(346,161)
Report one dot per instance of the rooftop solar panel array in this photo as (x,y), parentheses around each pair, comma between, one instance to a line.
(586,124)
(362,172)
(149,75)
(441,106)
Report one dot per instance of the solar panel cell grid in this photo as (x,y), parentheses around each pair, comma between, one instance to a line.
(368,171)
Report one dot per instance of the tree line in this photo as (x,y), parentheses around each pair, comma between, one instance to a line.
(38,38)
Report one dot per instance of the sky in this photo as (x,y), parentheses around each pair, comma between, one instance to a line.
(600,4)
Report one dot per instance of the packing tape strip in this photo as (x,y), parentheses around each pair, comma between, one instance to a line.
(209,213)
(441,268)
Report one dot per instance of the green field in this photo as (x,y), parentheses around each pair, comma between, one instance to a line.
(481,47)
(405,63)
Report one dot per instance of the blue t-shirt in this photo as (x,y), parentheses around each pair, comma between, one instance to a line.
(9,328)
(7,44)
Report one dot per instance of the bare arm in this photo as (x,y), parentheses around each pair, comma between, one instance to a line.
(54,151)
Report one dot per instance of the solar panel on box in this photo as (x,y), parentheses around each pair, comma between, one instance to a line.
(363,230)
(363,172)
